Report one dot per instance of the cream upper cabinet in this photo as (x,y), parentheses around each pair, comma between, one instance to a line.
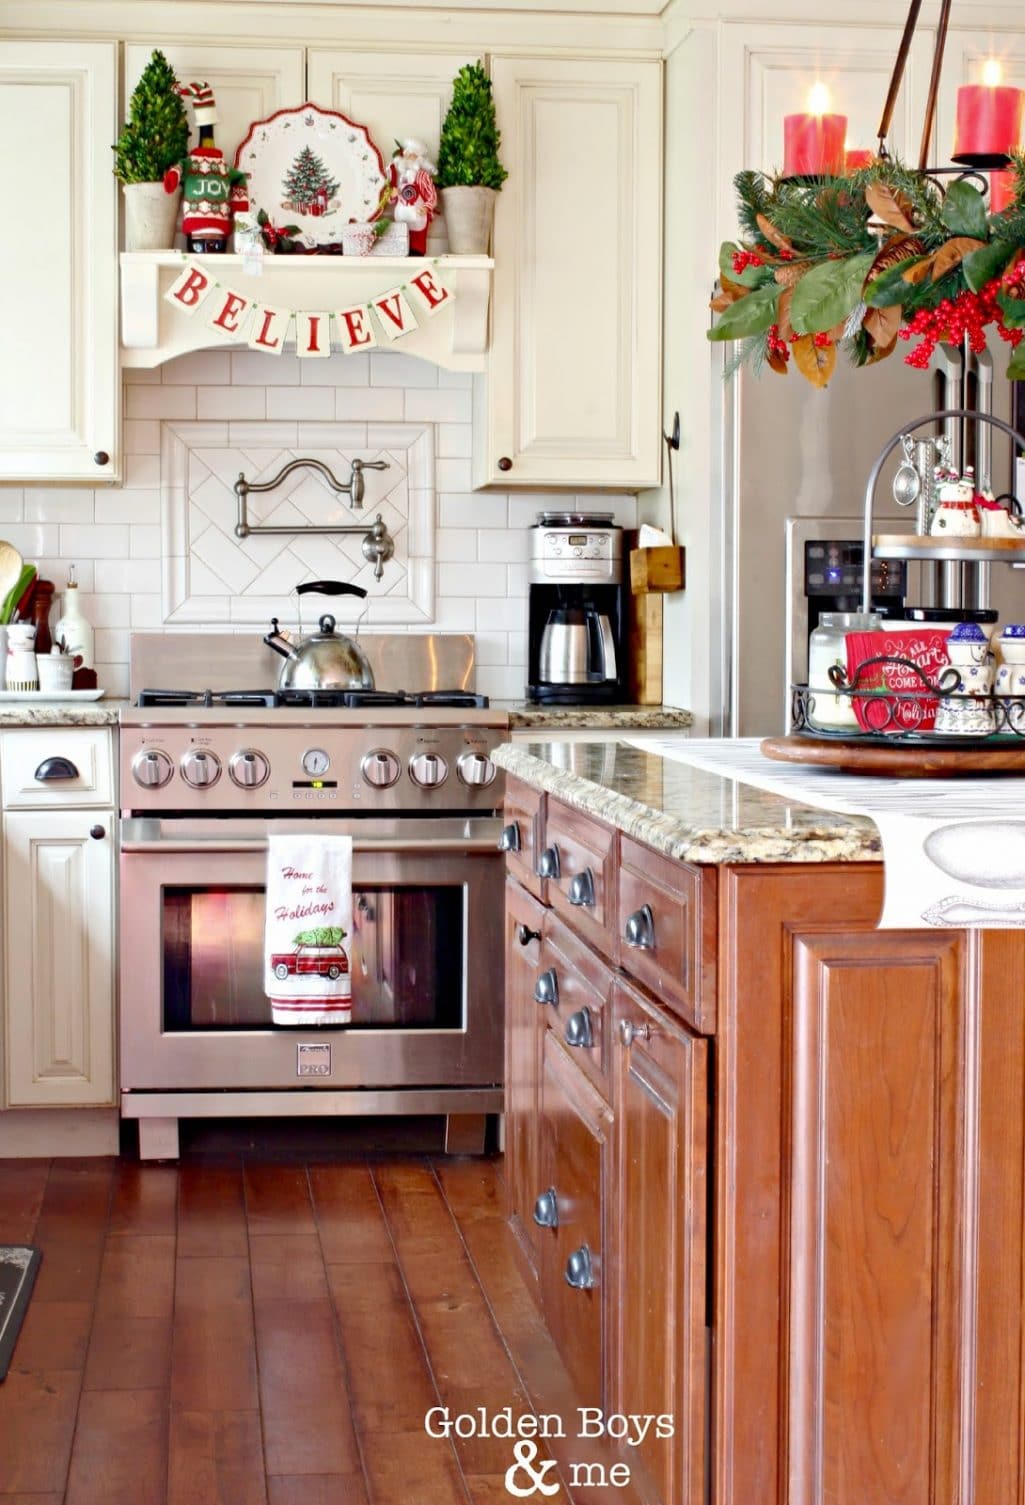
(249,83)
(393,94)
(59,957)
(572,392)
(59,397)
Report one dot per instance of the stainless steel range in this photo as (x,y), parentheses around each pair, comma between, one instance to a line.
(206,775)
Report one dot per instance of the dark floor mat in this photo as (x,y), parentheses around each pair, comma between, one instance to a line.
(18,1266)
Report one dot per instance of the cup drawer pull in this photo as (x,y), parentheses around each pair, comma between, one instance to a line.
(52,769)
(581,889)
(580,1269)
(548,863)
(546,989)
(579,1030)
(639,931)
(509,841)
(546,1209)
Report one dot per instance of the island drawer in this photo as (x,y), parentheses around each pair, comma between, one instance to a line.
(579,860)
(666,925)
(522,823)
(574,994)
(53,766)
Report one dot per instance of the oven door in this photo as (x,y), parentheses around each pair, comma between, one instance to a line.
(425,958)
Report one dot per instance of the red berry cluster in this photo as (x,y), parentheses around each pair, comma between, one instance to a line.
(1014,280)
(954,319)
(774,345)
(823,340)
(744,259)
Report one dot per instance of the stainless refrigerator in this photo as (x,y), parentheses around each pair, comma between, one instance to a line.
(792,452)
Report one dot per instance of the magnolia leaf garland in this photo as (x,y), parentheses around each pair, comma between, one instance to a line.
(865,260)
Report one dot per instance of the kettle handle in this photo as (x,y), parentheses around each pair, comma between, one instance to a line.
(329,588)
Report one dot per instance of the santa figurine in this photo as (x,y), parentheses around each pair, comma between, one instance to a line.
(212,192)
(416,197)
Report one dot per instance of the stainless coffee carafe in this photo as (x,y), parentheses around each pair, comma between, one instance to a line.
(577,647)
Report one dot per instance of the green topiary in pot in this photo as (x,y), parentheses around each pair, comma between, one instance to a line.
(469,169)
(155,138)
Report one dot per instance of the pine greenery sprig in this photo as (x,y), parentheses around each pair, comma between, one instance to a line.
(468,150)
(823,219)
(156,135)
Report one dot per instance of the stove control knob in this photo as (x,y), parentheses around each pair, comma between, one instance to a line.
(428,770)
(152,769)
(476,769)
(201,768)
(380,768)
(249,768)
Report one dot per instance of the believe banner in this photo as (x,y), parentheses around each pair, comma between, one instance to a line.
(264,326)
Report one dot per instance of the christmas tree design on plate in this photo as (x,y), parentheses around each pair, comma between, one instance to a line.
(308,185)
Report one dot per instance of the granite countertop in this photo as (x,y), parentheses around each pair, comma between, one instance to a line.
(523,713)
(687,813)
(29,712)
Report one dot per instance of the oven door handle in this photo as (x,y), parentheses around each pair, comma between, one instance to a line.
(460,844)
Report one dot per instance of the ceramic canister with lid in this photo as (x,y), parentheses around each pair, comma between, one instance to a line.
(827,647)
(22,674)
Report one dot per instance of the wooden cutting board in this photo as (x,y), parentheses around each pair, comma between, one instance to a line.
(644,648)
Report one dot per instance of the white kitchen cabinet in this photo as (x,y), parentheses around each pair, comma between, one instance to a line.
(249,82)
(59,950)
(572,392)
(59,395)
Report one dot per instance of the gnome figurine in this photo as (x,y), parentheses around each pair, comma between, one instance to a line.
(416,197)
(212,192)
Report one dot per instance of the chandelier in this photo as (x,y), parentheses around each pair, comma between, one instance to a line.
(861,254)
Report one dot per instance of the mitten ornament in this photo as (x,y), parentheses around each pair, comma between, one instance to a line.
(212,192)
(416,197)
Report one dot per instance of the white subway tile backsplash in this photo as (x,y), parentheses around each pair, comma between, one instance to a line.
(231,402)
(468,549)
(12,504)
(58,505)
(94,541)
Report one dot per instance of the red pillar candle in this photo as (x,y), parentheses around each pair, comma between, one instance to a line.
(858,158)
(813,145)
(989,118)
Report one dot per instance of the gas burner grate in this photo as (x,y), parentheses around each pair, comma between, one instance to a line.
(207,697)
(316,699)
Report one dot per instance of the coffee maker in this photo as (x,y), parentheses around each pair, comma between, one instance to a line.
(576,615)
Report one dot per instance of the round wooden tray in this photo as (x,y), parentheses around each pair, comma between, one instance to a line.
(901,760)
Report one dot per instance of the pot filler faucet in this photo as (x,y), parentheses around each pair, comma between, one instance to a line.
(378,544)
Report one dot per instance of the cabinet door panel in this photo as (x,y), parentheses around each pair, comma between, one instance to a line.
(660,1220)
(249,83)
(59,399)
(574,372)
(524,1033)
(576,1128)
(58,943)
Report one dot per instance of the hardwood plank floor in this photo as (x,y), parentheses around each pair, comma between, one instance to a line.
(248,1332)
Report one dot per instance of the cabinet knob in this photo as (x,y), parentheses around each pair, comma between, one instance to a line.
(579,1030)
(548,863)
(546,1209)
(509,841)
(52,769)
(505,463)
(629,1032)
(580,1269)
(97,833)
(525,935)
(101,457)
(581,889)
(546,989)
(639,931)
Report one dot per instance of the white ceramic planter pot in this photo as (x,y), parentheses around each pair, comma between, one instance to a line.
(469,213)
(151,215)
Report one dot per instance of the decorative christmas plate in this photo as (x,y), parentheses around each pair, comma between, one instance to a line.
(313,168)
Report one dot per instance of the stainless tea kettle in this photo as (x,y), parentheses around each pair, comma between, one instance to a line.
(577,647)
(325,660)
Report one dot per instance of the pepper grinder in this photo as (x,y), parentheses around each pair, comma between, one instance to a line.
(42,600)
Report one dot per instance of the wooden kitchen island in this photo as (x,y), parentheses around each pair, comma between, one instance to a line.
(765,1162)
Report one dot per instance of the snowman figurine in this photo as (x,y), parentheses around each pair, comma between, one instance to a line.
(212,192)
(969,712)
(416,197)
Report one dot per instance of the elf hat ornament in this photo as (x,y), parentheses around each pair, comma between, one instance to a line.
(204,106)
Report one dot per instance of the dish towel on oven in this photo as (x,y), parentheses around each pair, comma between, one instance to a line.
(309,921)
